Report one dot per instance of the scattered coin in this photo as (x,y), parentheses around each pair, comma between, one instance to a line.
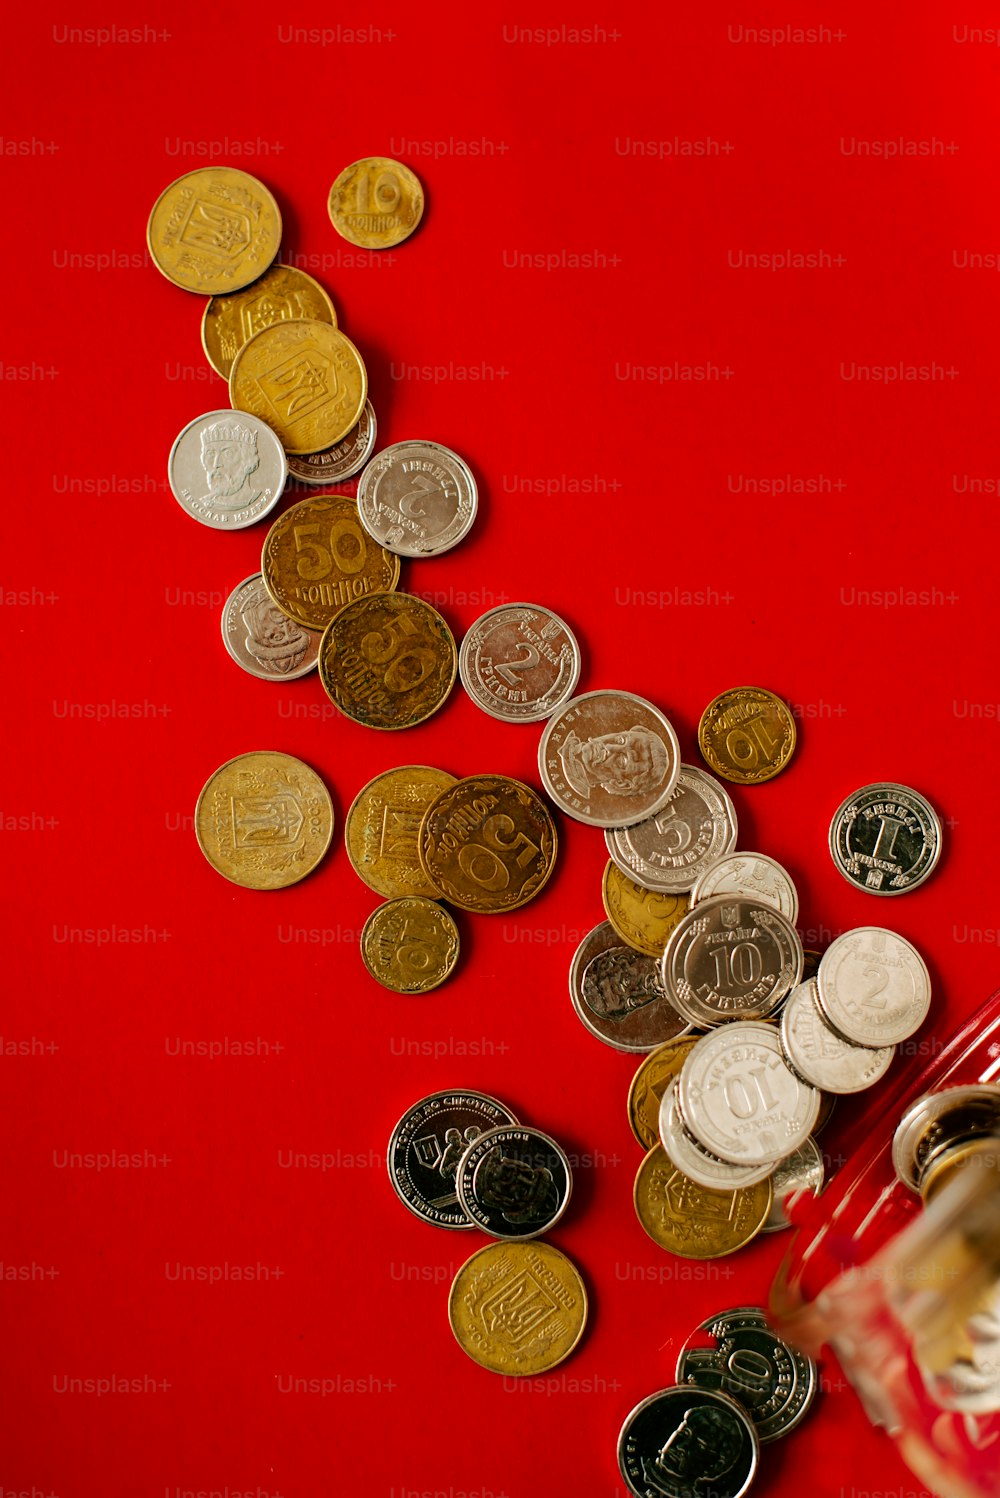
(801,1171)
(227,471)
(886,839)
(672,850)
(690,1220)
(873,987)
(754,876)
(410,944)
(317,559)
(376,203)
(214,230)
(488,843)
(774,1382)
(741,1100)
(305,379)
(688,1442)
(427,1144)
(519,662)
(282,294)
(264,820)
(643,918)
(417,499)
(341,461)
(627,1007)
(747,735)
(696,1163)
(388,660)
(382,830)
(822,1057)
(655,1073)
(935,1123)
(609,759)
(731,958)
(514,1182)
(518,1308)
(263,640)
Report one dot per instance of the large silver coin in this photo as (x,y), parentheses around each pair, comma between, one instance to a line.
(731,958)
(519,662)
(822,1057)
(687,1442)
(802,1171)
(873,987)
(342,461)
(696,1163)
(622,1001)
(609,759)
(741,1100)
(774,1382)
(427,1144)
(885,838)
(673,849)
(417,499)
(940,1120)
(754,876)
(263,640)
(227,469)
(514,1182)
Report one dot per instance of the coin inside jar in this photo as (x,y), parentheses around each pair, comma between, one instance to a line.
(519,662)
(410,944)
(609,758)
(672,850)
(514,1182)
(624,1010)
(729,959)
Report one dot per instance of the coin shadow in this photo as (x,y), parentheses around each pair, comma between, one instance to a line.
(465,941)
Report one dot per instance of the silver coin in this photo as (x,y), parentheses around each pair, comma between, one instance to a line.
(609,759)
(519,662)
(731,958)
(624,1004)
(935,1122)
(873,987)
(514,1182)
(427,1144)
(741,1100)
(822,1057)
(774,1382)
(673,849)
(688,1442)
(695,1162)
(342,461)
(753,875)
(263,640)
(227,469)
(801,1171)
(417,499)
(885,839)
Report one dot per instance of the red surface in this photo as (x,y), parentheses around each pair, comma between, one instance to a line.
(602,495)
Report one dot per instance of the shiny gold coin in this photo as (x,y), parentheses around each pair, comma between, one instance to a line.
(692,1221)
(410,944)
(264,820)
(382,830)
(388,660)
(214,230)
(980,1154)
(376,203)
(747,735)
(518,1308)
(305,379)
(317,558)
(643,918)
(282,294)
(649,1084)
(488,843)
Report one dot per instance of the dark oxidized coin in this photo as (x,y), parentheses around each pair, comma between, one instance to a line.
(686,1442)
(514,1182)
(885,839)
(736,1353)
(427,1145)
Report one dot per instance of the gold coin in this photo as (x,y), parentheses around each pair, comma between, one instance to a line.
(305,379)
(982,1154)
(410,944)
(214,230)
(518,1308)
(376,203)
(747,735)
(650,1083)
(282,294)
(388,660)
(643,918)
(264,820)
(692,1221)
(382,830)
(488,843)
(317,558)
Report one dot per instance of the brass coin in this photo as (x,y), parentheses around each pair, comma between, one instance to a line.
(305,379)
(317,558)
(488,843)
(382,830)
(214,230)
(649,1084)
(410,944)
(388,660)
(643,918)
(979,1154)
(376,203)
(747,735)
(264,820)
(282,294)
(691,1220)
(518,1308)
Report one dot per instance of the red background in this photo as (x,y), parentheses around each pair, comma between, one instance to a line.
(596,486)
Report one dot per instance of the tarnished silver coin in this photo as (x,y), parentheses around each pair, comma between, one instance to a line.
(695,1162)
(673,849)
(822,1057)
(342,461)
(731,958)
(873,987)
(885,838)
(688,1442)
(417,499)
(609,759)
(774,1382)
(801,1171)
(623,1002)
(227,469)
(427,1144)
(263,640)
(514,1182)
(741,1100)
(940,1120)
(519,662)
(753,875)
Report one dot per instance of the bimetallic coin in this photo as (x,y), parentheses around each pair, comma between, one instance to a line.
(514,1182)
(885,838)
(282,294)
(873,987)
(264,820)
(801,1171)
(410,944)
(376,203)
(388,660)
(519,662)
(227,471)
(650,1082)
(304,379)
(263,640)
(643,918)
(822,1057)
(609,759)
(688,1442)
(940,1120)
(488,843)
(696,1163)
(690,1220)
(316,560)
(518,1308)
(755,877)
(741,1100)
(214,230)
(747,735)
(417,499)
(671,851)
(774,1382)
(341,461)
(627,1009)
(427,1144)
(731,958)
(382,830)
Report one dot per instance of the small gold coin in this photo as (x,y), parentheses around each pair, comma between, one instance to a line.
(643,918)
(317,558)
(410,944)
(305,379)
(376,203)
(388,660)
(747,735)
(382,831)
(264,820)
(214,230)
(518,1308)
(692,1221)
(649,1084)
(488,843)
(282,294)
